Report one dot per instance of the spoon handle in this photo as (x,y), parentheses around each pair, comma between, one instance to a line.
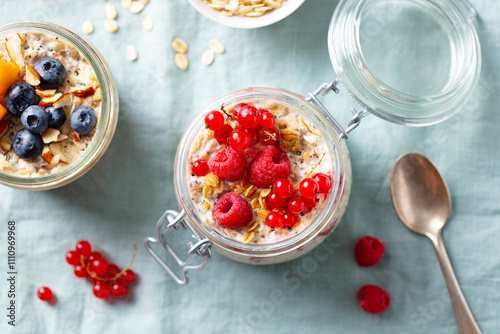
(465,320)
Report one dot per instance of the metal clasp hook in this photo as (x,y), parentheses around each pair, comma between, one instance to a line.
(202,247)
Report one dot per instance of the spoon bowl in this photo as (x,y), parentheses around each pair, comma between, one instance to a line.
(419,193)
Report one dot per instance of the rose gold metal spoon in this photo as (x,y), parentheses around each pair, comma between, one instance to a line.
(423,203)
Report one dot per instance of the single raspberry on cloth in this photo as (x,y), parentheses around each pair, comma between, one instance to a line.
(232,211)
(368,251)
(228,164)
(268,166)
(373,299)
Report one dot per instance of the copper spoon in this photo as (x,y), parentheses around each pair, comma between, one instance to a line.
(423,203)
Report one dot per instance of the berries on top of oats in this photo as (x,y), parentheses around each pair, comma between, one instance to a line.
(239,139)
(228,164)
(283,188)
(222,135)
(309,188)
(324,182)
(266,119)
(57,117)
(238,107)
(274,219)
(214,120)
(200,167)
(83,119)
(51,72)
(248,117)
(27,145)
(20,96)
(269,136)
(268,166)
(232,211)
(35,119)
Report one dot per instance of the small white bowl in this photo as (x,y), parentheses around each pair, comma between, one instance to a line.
(243,22)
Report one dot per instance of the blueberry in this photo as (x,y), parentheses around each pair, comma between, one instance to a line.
(27,145)
(51,73)
(20,96)
(83,119)
(57,117)
(35,119)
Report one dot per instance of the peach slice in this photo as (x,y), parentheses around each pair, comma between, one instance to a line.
(3,112)
(4,125)
(8,75)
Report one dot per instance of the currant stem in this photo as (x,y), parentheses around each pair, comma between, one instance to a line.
(114,278)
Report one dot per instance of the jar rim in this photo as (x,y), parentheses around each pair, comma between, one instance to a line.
(181,166)
(381,99)
(109,109)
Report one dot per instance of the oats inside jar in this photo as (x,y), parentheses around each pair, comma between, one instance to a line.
(248,178)
(55,125)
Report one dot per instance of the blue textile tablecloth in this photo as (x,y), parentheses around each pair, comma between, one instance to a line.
(118,202)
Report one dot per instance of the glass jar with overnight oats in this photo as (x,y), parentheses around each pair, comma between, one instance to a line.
(263,175)
(59,105)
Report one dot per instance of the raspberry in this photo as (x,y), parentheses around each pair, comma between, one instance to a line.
(228,164)
(368,251)
(373,299)
(232,211)
(268,166)
(250,154)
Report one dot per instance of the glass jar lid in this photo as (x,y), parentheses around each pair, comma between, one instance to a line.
(411,62)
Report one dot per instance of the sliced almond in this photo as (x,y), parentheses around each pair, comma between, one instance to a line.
(57,149)
(60,138)
(179,45)
(55,160)
(145,2)
(131,52)
(88,27)
(208,57)
(181,61)
(126,3)
(76,136)
(147,23)
(216,46)
(32,76)
(136,7)
(97,95)
(110,11)
(110,25)
(4,164)
(65,100)
(13,46)
(47,101)
(50,135)
(5,143)
(47,154)
(82,91)
(46,93)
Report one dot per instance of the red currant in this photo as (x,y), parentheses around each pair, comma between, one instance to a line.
(128,276)
(248,117)
(83,248)
(239,139)
(222,135)
(101,290)
(289,219)
(214,120)
(200,167)
(309,188)
(274,201)
(119,289)
(324,182)
(238,107)
(81,271)
(99,266)
(309,202)
(296,205)
(113,270)
(45,294)
(283,188)
(254,138)
(266,119)
(269,136)
(93,256)
(73,258)
(274,219)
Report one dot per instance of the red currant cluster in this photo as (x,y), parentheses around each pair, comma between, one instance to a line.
(108,278)
(285,199)
(255,125)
